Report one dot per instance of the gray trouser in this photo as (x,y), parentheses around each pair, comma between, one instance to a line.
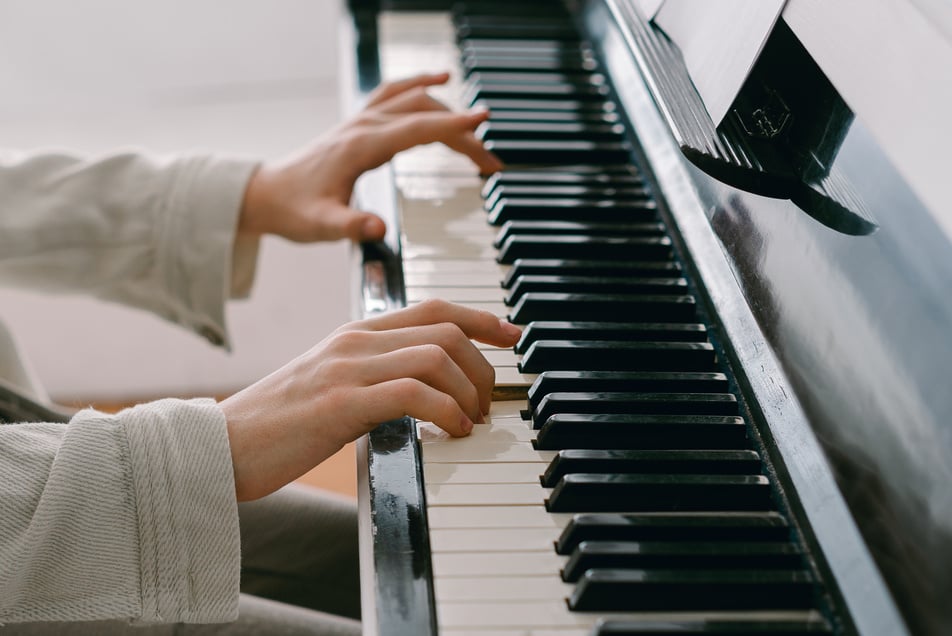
(299,574)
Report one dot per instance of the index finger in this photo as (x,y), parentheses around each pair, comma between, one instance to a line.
(476,324)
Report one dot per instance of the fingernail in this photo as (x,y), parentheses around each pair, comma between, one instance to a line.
(466,424)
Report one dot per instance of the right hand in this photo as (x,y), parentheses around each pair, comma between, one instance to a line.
(417,361)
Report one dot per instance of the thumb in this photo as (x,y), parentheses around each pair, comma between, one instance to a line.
(354,224)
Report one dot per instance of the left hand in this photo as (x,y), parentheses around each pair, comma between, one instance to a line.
(306,197)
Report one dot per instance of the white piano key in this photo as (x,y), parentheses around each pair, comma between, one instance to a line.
(502,357)
(484,494)
(505,589)
(510,376)
(499,452)
(497,517)
(494,473)
(489,280)
(507,408)
(499,431)
(492,631)
(449,248)
(458,265)
(471,564)
(492,540)
(433,159)
(454,294)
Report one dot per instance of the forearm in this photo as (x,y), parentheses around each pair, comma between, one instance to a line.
(119,516)
(159,236)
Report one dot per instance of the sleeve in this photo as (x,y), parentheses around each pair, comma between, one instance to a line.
(128,516)
(158,235)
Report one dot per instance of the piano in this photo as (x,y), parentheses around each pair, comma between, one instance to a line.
(729,411)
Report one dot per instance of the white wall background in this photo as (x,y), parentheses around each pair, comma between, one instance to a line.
(227,76)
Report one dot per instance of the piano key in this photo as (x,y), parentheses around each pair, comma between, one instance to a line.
(616,355)
(508,589)
(642,248)
(514,151)
(502,358)
(491,540)
(454,279)
(645,381)
(497,452)
(489,473)
(531,116)
(593,285)
(568,64)
(544,105)
(453,294)
(630,331)
(592,307)
(634,403)
(512,383)
(575,191)
(481,494)
(566,209)
(678,461)
(663,555)
(495,129)
(514,77)
(576,228)
(595,177)
(534,90)
(658,590)
(677,526)
(496,517)
(611,431)
(519,30)
(561,267)
(592,492)
(807,626)
(454,266)
(474,564)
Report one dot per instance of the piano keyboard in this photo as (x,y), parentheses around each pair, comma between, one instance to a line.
(617,486)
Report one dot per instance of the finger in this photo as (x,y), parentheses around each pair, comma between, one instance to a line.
(432,365)
(453,129)
(476,324)
(436,344)
(411,101)
(407,396)
(341,221)
(390,89)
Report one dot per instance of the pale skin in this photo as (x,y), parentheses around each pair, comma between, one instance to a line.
(418,361)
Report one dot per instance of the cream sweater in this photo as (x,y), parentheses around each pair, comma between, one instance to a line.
(130,515)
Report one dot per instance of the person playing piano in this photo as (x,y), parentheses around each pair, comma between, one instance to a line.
(134,517)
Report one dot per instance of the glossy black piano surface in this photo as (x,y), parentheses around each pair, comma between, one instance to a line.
(645,347)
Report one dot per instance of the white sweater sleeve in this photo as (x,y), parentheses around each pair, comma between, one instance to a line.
(130,515)
(154,235)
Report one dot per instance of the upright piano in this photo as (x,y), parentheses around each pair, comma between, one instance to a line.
(729,412)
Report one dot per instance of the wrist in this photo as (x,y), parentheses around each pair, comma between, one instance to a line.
(258,201)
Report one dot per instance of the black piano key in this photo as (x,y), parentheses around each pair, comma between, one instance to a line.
(640,248)
(514,151)
(664,555)
(677,526)
(567,209)
(559,191)
(536,178)
(615,431)
(617,355)
(628,331)
(811,626)
(562,267)
(493,130)
(592,492)
(694,590)
(628,307)
(576,228)
(710,462)
(634,404)
(573,284)
(644,381)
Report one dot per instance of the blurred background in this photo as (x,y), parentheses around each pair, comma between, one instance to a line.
(235,77)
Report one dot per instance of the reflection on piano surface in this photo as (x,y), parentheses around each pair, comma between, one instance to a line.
(651,464)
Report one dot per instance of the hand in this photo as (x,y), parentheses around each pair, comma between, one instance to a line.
(418,361)
(307,197)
